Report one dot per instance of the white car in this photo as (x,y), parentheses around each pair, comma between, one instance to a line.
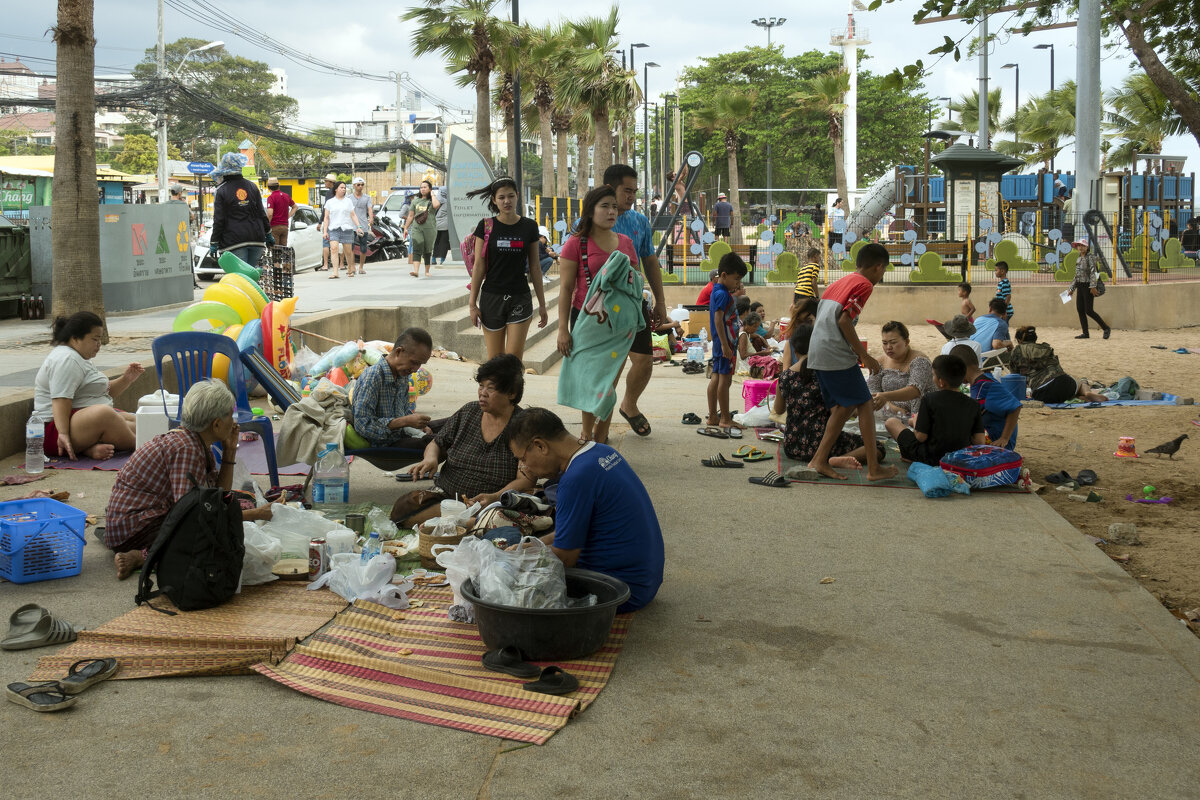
(304,237)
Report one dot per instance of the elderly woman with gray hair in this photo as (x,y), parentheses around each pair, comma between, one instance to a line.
(163,470)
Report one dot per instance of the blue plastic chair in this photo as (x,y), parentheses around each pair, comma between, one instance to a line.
(192,353)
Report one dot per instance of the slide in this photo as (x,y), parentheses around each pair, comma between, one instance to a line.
(873,204)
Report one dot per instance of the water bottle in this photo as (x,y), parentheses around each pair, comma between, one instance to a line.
(331,483)
(35,442)
(371,548)
(704,334)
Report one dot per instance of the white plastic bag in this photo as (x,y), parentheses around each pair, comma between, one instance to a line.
(243,481)
(529,577)
(296,527)
(757,417)
(377,520)
(262,551)
(463,561)
(371,582)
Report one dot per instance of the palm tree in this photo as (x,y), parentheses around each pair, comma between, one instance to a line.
(1139,118)
(585,137)
(465,33)
(826,93)
(597,83)
(75,234)
(725,113)
(1046,124)
(540,71)
(968,111)
(561,121)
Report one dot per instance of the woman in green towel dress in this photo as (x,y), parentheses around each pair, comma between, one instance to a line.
(422,223)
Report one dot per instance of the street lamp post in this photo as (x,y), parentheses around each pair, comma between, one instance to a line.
(768,23)
(646,130)
(1016,99)
(946,100)
(162,114)
(633,69)
(1049,47)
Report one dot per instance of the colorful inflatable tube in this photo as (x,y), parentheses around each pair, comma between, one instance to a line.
(252,290)
(276,345)
(235,266)
(215,316)
(233,297)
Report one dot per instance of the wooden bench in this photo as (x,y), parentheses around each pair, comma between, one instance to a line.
(673,260)
(951,252)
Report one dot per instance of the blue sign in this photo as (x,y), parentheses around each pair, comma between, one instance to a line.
(200,167)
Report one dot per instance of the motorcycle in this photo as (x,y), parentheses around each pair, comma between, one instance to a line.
(395,245)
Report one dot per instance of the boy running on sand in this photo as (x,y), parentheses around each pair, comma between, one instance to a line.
(723,319)
(1004,288)
(835,353)
(964,294)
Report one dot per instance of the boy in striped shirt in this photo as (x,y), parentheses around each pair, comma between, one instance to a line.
(807,276)
(1003,287)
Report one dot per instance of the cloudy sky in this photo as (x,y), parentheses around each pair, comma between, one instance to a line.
(372,38)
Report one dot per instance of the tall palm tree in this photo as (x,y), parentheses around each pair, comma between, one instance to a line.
(826,93)
(725,113)
(598,83)
(1046,124)
(465,33)
(1139,117)
(75,234)
(561,120)
(585,137)
(967,107)
(540,72)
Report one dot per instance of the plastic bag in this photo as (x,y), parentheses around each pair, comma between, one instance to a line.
(462,561)
(757,417)
(303,362)
(295,528)
(377,520)
(262,551)
(935,481)
(243,481)
(371,582)
(529,577)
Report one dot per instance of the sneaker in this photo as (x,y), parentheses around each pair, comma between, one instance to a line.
(1083,336)
(1107,332)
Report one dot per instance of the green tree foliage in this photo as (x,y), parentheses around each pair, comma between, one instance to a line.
(139,156)
(890,123)
(239,84)
(1139,118)
(293,160)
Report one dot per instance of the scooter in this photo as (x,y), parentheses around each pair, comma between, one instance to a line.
(395,246)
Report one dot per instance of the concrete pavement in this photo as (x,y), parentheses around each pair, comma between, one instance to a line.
(968,647)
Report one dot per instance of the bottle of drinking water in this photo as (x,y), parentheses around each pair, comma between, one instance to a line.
(371,548)
(35,442)
(331,482)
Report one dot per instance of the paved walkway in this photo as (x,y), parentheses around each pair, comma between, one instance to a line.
(967,648)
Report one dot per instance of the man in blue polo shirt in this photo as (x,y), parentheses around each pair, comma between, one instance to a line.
(991,330)
(604,520)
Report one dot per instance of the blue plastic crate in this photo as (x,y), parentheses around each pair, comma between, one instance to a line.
(40,539)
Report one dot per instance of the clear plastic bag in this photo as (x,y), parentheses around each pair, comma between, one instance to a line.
(262,551)
(377,520)
(371,582)
(243,481)
(530,576)
(463,561)
(303,361)
(295,528)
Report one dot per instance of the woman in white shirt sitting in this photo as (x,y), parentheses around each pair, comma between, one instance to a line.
(74,399)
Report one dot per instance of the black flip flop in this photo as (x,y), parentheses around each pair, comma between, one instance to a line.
(691,419)
(1062,476)
(713,431)
(640,425)
(772,479)
(1086,477)
(38,696)
(553,681)
(721,462)
(88,672)
(508,660)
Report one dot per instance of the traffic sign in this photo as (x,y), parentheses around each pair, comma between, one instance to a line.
(200,167)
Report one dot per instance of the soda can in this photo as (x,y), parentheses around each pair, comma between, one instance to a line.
(318,559)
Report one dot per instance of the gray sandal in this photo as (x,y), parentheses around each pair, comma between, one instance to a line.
(39,696)
(88,672)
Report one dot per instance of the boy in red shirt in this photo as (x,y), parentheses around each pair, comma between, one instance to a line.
(835,352)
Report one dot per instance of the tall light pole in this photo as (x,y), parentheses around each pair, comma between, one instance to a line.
(632,142)
(516,166)
(1049,47)
(1016,99)
(162,114)
(646,130)
(768,23)
(945,100)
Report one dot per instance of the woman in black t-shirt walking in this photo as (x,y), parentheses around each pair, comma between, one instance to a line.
(501,302)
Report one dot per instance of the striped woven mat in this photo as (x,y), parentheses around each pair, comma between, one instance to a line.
(261,624)
(416,664)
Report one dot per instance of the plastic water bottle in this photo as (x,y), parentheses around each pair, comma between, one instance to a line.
(704,334)
(35,442)
(371,548)
(331,483)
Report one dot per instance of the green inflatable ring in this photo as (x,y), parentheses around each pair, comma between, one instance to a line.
(209,311)
(235,266)
(353,441)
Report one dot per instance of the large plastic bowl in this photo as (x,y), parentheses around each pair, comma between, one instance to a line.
(553,634)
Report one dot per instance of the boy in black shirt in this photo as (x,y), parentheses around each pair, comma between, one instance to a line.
(948,420)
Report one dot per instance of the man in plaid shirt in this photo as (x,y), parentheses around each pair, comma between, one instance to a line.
(163,470)
(382,408)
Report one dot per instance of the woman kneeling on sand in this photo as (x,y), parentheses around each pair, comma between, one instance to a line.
(1047,380)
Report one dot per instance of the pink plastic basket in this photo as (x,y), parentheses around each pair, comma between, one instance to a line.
(753,391)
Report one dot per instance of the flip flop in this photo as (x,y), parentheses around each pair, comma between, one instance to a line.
(713,431)
(88,672)
(1062,476)
(772,478)
(639,423)
(23,620)
(721,462)
(1086,477)
(38,696)
(508,660)
(691,419)
(733,433)
(553,680)
(46,631)
(757,455)
(743,451)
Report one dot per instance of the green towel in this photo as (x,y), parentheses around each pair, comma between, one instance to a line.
(600,341)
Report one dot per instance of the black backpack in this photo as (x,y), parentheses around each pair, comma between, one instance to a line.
(197,556)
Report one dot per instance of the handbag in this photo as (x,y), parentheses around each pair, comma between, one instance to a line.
(420,219)
(1100,288)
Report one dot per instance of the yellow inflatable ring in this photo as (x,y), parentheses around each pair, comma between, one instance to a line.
(251,289)
(220,365)
(233,297)
(216,317)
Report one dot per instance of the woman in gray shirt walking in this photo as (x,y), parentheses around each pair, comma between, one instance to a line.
(1087,276)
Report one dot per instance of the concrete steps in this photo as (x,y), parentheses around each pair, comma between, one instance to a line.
(450,325)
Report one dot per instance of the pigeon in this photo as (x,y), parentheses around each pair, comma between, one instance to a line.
(1170,448)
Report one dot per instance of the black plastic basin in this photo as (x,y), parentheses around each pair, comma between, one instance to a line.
(553,634)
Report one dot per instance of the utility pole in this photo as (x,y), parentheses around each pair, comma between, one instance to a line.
(398,128)
(647,191)
(162,111)
(1087,103)
(516,18)
(1049,47)
(983,83)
